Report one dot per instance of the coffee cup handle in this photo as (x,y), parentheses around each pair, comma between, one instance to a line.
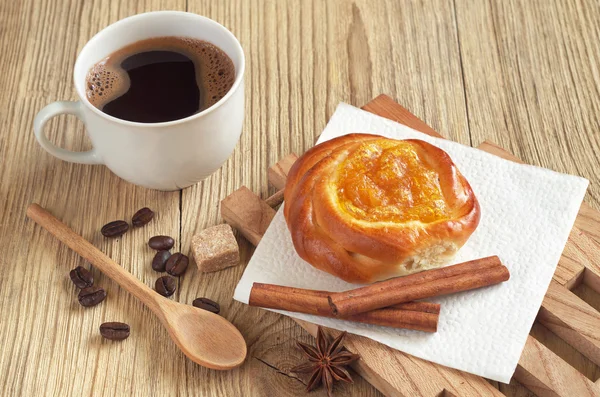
(55,109)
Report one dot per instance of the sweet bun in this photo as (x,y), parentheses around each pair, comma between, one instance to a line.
(366,208)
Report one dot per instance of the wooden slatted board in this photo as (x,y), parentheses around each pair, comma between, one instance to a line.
(398,374)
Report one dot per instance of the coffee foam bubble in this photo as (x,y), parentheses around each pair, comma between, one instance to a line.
(215,72)
(105,84)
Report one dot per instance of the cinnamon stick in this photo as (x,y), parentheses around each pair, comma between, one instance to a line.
(447,280)
(421,316)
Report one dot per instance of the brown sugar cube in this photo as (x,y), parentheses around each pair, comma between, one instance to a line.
(215,248)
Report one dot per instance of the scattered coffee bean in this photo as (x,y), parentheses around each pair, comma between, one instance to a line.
(114,331)
(91,296)
(160,260)
(142,217)
(207,304)
(114,229)
(161,243)
(177,264)
(165,286)
(81,277)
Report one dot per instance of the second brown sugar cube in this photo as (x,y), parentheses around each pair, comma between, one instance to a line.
(215,248)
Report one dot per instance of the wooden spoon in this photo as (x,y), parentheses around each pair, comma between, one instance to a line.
(206,338)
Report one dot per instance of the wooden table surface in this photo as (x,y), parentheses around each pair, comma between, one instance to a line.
(523,74)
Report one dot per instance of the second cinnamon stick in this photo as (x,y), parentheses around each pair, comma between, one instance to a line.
(421,316)
(443,281)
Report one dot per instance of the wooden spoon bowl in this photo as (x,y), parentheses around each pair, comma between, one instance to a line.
(206,338)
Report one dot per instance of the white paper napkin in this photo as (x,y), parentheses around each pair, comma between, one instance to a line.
(526,215)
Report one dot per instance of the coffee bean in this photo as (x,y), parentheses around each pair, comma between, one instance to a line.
(81,277)
(160,260)
(177,264)
(91,296)
(161,243)
(114,331)
(114,229)
(207,304)
(165,286)
(142,217)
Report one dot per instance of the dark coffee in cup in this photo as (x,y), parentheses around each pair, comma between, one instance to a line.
(160,79)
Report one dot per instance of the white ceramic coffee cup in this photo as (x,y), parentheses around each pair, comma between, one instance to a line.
(164,156)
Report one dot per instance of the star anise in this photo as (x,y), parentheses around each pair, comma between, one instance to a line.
(326,362)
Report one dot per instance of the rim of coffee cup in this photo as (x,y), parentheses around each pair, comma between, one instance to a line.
(239,75)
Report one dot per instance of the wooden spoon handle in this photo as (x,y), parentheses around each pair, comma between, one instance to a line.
(93,255)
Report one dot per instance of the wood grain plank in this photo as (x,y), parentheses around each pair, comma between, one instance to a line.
(546,374)
(51,344)
(571,318)
(562,349)
(532,82)
(295,80)
(589,221)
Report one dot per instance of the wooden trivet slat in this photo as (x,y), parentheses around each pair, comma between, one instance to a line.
(397,373)
(246,212)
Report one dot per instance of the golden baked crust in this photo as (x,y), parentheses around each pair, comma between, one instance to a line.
(366,208)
